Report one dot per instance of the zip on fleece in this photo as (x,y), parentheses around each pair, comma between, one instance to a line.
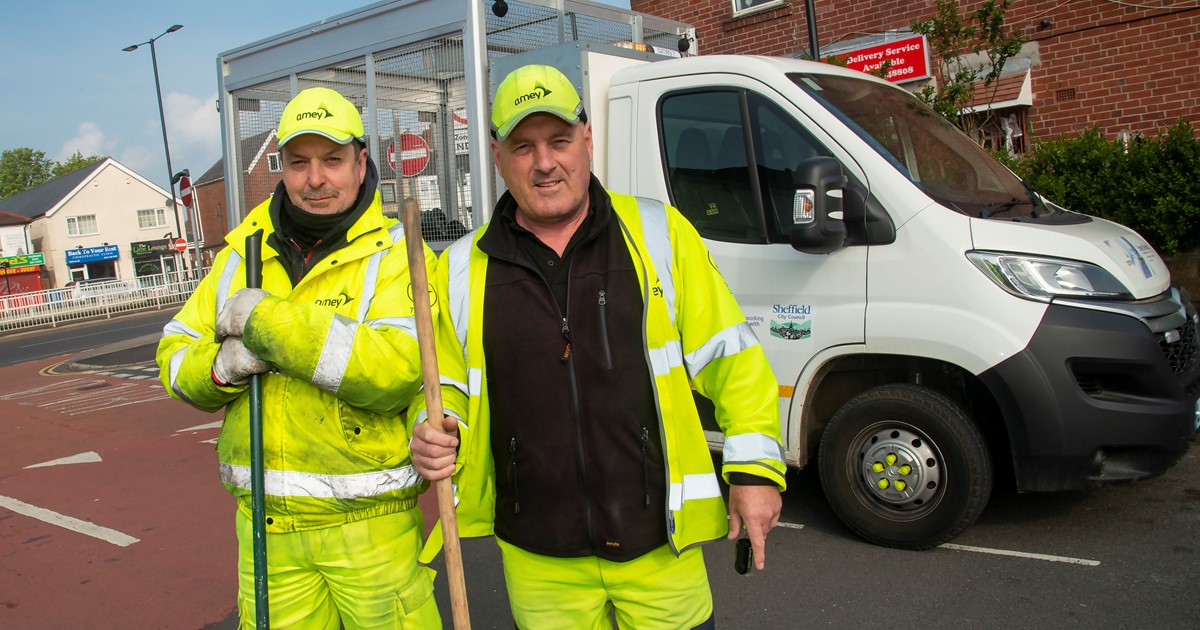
(601,301)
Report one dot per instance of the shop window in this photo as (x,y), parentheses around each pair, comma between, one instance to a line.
(82,226)
(151,218)
(1001,129)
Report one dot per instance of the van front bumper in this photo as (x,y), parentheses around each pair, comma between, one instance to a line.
(1105,392)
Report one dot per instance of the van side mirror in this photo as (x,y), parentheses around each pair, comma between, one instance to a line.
(818,225)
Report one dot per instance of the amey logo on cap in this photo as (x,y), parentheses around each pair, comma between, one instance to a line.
(320,114)
(539,92)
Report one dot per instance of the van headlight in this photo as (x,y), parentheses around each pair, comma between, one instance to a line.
(1041,279)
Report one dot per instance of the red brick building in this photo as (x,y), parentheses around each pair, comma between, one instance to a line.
(1124,66)
(263,172)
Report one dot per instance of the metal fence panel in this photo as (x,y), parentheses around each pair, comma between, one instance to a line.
(53,307)
(406,68)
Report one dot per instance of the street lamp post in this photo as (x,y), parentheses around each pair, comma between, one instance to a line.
(163,120)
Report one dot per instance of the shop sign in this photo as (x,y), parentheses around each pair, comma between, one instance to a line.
(81,255)
(161,247)
(909,59)
(24,260)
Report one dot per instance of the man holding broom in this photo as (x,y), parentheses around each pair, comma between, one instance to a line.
(574,327)
(333,336)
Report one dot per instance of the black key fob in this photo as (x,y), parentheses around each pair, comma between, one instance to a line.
(743,553)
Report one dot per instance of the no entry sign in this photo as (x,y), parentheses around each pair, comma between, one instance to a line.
(185,190)
(414,155)
(180,245)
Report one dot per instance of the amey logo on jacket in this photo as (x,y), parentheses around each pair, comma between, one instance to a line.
(341,300)
(539,92)
(320,114)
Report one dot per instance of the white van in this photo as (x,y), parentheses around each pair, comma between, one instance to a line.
(934,323)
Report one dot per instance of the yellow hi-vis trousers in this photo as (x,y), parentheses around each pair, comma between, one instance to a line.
(360,575)
(657,591)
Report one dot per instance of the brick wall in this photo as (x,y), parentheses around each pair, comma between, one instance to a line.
(1118,66)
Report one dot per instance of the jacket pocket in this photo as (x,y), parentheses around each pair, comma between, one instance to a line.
(376,436)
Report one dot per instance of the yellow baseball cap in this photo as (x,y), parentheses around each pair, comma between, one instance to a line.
(534,89)
(321,111)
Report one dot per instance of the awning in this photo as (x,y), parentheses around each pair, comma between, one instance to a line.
(1013,90)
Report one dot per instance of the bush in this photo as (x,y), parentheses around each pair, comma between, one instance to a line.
(1153,186)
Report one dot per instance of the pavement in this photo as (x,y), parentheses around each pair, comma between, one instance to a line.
(132,352)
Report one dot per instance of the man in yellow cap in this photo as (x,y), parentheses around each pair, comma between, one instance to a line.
(332,333)
(575,326)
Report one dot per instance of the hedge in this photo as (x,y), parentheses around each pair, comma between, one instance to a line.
(1152,185)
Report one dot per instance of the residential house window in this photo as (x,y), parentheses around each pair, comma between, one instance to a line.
(745,7)
(152,218)
(82,226)
(273,164)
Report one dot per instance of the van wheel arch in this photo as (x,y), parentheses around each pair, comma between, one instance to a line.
(848,376)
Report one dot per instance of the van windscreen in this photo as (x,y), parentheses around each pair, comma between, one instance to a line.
(930,151)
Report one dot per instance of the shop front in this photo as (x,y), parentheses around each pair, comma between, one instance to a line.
(93,262)
(22,274)
(154,260)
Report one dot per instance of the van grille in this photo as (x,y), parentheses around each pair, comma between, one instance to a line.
(1181,355)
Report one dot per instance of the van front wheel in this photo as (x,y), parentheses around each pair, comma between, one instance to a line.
(904,466)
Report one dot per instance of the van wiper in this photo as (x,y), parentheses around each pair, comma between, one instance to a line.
(1000,207)
(1034,199)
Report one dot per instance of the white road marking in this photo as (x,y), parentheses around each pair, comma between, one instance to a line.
(113,403)
(789,525)
(73,383)
(201,427)
(1022,554)
(82,458)
(77,396)
(54,518)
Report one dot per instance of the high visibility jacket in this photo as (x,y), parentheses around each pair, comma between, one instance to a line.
(696,335)
(343,341)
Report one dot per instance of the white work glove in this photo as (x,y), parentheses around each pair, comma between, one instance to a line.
(235,363)
(231,321)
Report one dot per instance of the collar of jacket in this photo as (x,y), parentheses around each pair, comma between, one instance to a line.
(501,233)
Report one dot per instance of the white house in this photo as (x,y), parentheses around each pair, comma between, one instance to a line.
(102,220)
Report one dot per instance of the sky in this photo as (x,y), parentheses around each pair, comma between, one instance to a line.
(69,87)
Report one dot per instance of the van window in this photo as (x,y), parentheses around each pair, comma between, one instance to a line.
(709,156)
(781,145)
(707,166)
(945,163)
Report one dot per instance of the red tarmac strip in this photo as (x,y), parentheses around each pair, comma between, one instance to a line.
(153,484)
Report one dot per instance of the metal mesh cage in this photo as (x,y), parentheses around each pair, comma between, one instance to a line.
(413,95)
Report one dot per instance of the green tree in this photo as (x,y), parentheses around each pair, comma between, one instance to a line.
(1148,183)
(75,162)
(21,169)
(952,38)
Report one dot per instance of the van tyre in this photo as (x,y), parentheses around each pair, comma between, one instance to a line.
(904,466)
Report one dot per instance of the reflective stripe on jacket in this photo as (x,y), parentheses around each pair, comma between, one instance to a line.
(696,336)
(343,341)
